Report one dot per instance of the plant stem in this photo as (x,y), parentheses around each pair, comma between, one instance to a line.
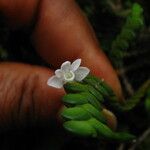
(140,139)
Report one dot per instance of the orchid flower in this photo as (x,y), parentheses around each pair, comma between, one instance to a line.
(67,73)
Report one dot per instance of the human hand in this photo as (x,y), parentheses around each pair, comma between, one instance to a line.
(61,33)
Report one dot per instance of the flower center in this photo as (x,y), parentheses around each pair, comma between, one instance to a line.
(69,76)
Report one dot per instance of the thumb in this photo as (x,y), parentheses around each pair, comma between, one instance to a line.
(25,97)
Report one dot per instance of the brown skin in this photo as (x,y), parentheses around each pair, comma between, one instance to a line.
(61,33)
(24,93)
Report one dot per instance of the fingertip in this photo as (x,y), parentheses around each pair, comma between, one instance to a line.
(101,67)
(25,96)
(19,12)
(48,98)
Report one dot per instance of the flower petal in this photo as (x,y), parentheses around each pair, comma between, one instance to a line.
(59,73)
(75,65)
(81,73)
(66,66)
(54,81)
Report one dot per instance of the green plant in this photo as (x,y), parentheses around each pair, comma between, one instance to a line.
(83,114)
(134,22)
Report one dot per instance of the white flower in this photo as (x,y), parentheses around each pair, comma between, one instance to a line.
(67,73)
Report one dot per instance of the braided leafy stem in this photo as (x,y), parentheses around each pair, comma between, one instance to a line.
(85,101)
(134,22)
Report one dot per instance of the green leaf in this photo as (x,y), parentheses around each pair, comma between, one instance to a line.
(120,43)
(81,128)
(105,132)
(93,101)
(135,99)
(75,99)
(75,113)
(81,98)
(127,34)
(75,87)
(102,87)
(97,94)
(97,84)
(137,9)
(94,112)
(134,23)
